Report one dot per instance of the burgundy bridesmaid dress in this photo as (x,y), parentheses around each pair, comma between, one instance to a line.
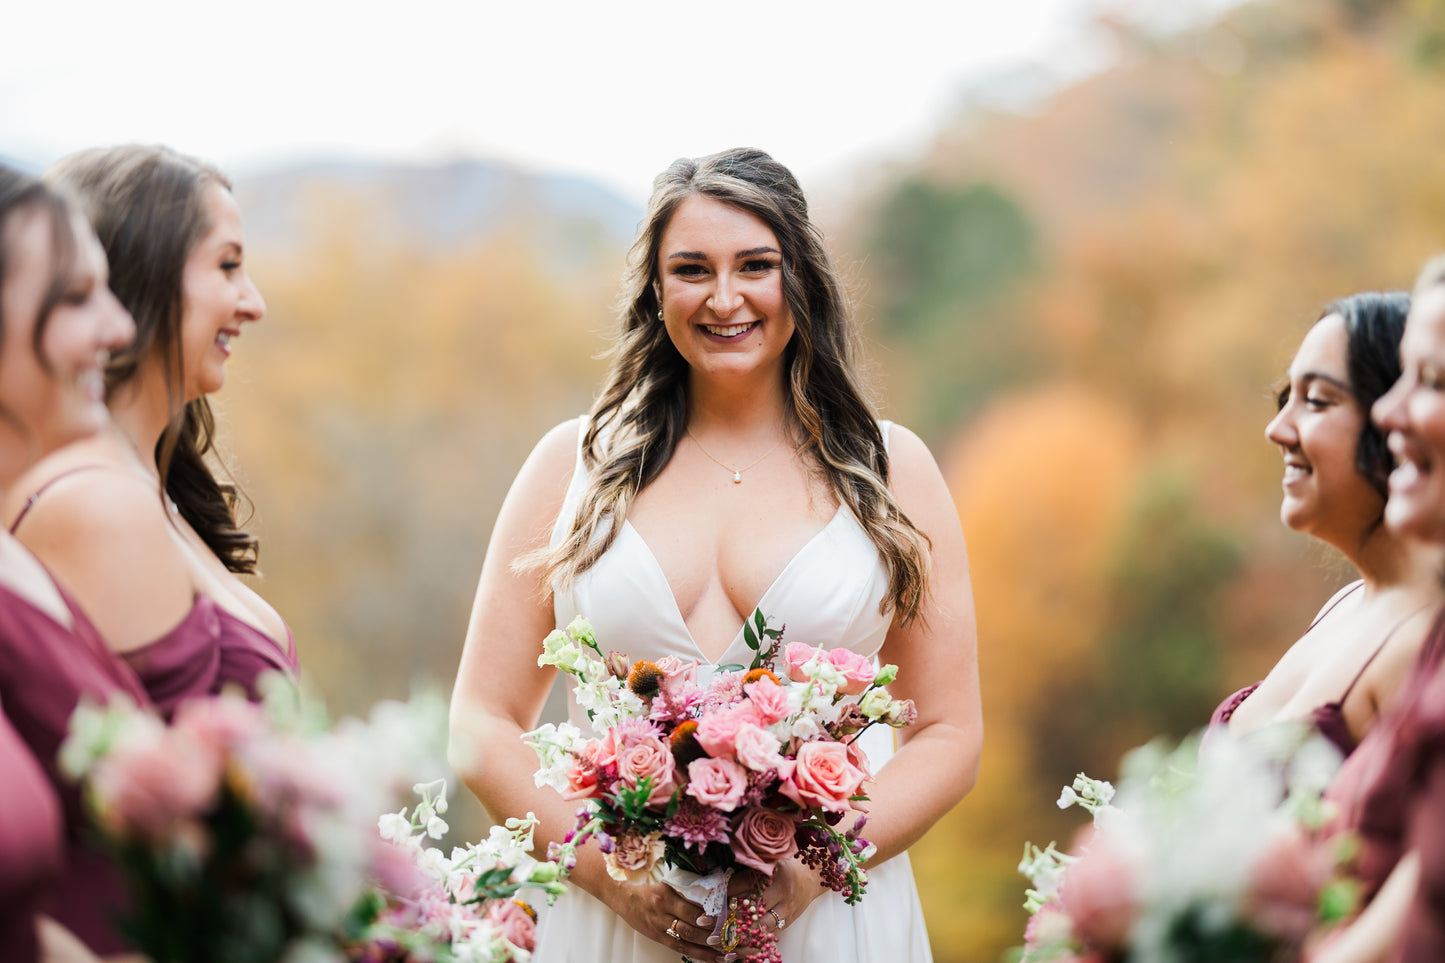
(1391,794)
(31,844)
(46,668)
(207,651)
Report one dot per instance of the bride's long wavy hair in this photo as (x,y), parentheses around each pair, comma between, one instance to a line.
(641,414)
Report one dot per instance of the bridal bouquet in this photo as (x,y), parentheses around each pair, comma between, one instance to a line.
(1201,856)
(248,832)
(692,772)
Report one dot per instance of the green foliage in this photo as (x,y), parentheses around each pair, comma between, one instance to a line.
(936,248)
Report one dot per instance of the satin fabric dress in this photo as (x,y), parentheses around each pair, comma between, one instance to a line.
(1391,795)
(32,844)
(46,668)
(204,653)
(828,595)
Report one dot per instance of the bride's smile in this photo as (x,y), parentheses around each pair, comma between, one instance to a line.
(721,271)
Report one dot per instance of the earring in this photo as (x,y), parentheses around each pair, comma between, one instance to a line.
(659,314)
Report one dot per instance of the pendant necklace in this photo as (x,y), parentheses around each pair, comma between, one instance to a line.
(737,473)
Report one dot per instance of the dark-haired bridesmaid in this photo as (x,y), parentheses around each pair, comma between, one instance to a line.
(58,321)
(134,522)
(1343,673)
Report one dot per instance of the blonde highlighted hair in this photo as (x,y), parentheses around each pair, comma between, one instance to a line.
(641,414)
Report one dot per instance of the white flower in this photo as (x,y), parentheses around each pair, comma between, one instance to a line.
(394,827)
(875,704)
(436,827)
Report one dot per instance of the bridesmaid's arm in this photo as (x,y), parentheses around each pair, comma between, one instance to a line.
(1370,937)
(105,537)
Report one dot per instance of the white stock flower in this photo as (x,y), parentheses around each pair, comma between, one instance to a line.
(394,827)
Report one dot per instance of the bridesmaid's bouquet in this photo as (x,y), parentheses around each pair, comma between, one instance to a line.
(1205,854)
(464,907)
(249,833)
(691,772)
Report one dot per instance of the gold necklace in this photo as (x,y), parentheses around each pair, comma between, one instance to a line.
(737,473)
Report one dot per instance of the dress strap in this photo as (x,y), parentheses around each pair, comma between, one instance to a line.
(1378,649)
(35,495)
(1340,596)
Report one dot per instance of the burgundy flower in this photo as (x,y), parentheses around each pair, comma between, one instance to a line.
(697,825)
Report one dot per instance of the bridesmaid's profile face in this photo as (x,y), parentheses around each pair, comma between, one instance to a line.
(1412,414)
(721,271)
(1317,430)
(217,296)
(56,396)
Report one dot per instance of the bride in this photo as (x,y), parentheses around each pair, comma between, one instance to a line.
(730,463)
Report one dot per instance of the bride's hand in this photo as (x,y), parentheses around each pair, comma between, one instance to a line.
(791,890)
(654,909)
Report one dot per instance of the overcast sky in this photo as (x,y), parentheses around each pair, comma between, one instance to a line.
(612,89)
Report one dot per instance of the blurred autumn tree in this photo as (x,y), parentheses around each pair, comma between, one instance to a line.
(1085,308)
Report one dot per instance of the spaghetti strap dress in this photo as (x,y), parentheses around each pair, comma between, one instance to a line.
(207,651)
(828,595)
(1328,719)
(46,668)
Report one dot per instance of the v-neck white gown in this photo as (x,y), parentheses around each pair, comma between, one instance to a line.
(827,595)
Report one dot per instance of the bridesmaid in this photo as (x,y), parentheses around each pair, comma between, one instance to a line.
(1392,792)
(58,320)
(134,521)
(1345,669)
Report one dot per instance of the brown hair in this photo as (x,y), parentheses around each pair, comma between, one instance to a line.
(642,411)
(20,193)
(147,205)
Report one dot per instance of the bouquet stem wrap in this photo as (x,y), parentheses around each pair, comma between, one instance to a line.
(710,892)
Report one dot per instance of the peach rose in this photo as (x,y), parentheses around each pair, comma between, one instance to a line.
(764,837)
(647,757)
(822,776)
(717,783)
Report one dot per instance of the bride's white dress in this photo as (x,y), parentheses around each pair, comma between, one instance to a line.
(827,595)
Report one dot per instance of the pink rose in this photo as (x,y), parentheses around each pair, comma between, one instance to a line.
(717,731)
(769,700)
(513,922)
(764,837)
(822,776)
(1285,883)
(155,780)
(676,674)
(1097,891)
(857,669)
(796,655)
(718,783)
(647,757)
(635,859)
(757,748)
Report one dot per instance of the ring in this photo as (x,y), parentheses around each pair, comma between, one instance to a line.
(672,931)
(781,922)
